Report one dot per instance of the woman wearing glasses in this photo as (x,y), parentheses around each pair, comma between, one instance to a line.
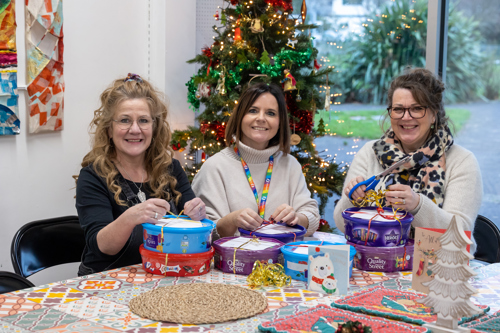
(129,177)
(440,181)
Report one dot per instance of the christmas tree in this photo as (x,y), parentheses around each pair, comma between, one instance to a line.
(449,291)
(260,40)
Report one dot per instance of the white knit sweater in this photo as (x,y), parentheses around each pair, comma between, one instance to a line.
(463,190)
(223,186)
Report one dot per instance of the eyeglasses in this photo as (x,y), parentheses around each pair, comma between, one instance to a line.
(416,112)
(126,123)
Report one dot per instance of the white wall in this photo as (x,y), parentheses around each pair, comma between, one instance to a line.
(104,40)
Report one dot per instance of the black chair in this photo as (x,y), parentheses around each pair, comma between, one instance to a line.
(487,238)
(12,282)
(46,243)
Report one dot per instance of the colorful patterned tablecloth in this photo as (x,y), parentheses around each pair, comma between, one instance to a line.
(99,302)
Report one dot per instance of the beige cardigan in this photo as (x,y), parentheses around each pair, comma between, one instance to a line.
(223,186)
(463,189)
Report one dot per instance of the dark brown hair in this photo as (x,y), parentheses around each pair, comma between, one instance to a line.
(426,89)
(247,99)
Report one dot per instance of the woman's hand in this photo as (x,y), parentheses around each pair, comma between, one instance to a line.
(150,210)
(402,196)
(247,219)
(285,213)
(195,209)
(360,191)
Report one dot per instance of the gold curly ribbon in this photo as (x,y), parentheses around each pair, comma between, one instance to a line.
(253,239)
(371,197)
(268,275)
(377,197)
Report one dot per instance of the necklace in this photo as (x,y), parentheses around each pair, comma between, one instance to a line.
(267,182)
(141,195)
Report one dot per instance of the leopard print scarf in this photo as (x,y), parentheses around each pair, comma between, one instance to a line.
(425,172)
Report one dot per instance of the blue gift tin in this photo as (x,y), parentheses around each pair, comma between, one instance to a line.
(178,240)
(296,263)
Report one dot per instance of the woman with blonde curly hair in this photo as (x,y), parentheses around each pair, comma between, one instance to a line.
(129,177)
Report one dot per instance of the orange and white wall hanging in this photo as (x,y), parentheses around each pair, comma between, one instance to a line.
(44,52)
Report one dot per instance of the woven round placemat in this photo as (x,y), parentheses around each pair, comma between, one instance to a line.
(198,303)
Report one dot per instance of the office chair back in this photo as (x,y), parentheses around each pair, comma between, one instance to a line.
(487,238)
(11,282)
(46,243)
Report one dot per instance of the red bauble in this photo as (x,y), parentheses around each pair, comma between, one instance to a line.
(285,4)
(316,64)
(176,146)
(215,126)
(207,51)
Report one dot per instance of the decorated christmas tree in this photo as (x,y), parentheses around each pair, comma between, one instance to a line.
(450,291)
(260,41)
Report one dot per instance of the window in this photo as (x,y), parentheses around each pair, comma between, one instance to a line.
(473,88)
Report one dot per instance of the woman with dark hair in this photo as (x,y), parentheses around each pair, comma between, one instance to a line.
(440,181)
(256,164)
(129,177)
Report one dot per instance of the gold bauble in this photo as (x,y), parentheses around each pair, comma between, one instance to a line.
(295,139)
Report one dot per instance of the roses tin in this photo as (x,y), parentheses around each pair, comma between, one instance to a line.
(384,259)
(383,231)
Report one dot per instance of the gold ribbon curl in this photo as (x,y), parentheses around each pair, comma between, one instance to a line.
(268,275)
(371,197)
(377,198)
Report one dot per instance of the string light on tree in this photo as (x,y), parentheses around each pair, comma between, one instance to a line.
(261,40)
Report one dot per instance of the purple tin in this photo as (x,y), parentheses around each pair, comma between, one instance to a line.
(384,259)
(245,259)
(386,233)
(285,237)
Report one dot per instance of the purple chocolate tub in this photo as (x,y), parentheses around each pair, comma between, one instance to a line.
(284,237)
(245,258)
(384,259)
(384,233)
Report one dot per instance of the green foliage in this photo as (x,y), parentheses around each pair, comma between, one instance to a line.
(397,38)
(463,83)
(368,124)
(490,73)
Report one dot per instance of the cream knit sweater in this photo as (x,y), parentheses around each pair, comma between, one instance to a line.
(463,190)
(223,186)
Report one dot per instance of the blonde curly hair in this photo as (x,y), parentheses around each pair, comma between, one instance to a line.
(158,155)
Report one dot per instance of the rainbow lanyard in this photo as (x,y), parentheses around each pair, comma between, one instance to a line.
(265,191)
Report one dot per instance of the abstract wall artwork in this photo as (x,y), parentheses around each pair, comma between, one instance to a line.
(9,114)
(44,52)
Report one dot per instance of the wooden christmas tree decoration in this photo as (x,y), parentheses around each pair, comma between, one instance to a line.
(449,292)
